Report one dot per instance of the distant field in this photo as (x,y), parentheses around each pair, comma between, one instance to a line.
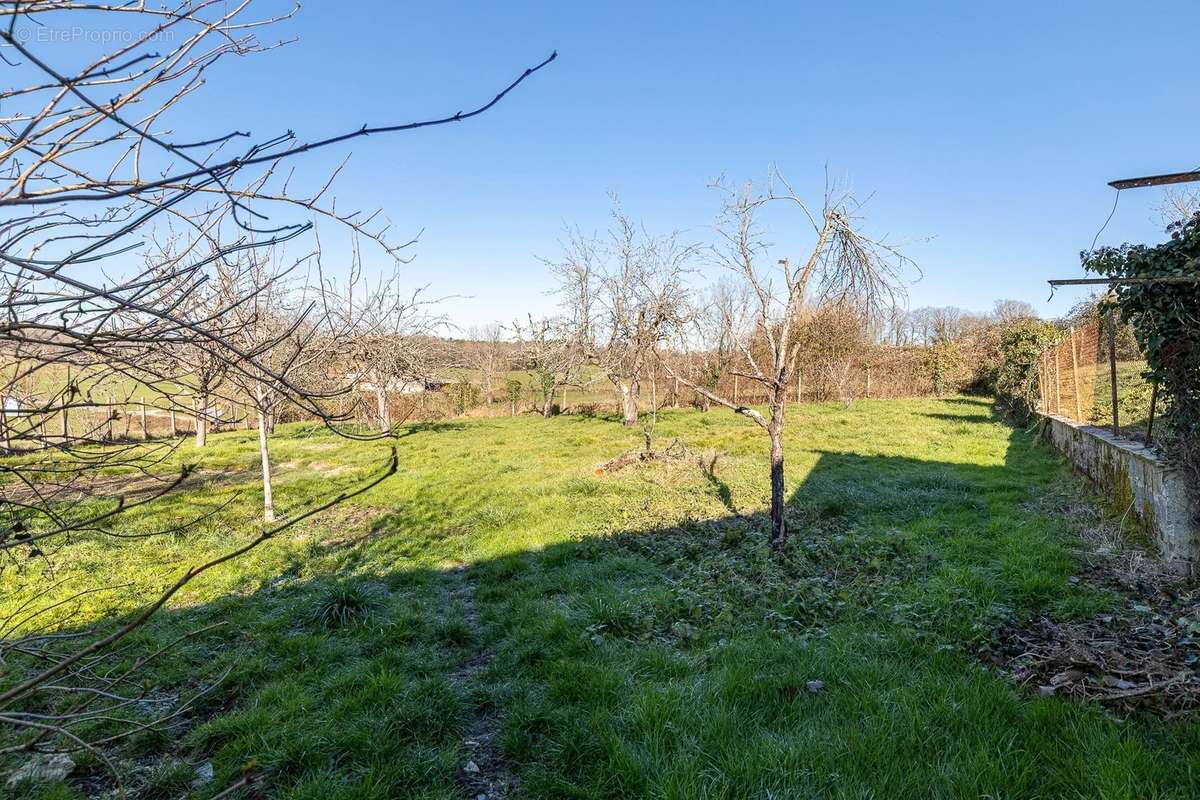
(1133,397)
(574,634)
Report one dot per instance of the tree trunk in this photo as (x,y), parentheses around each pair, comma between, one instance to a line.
(381,403)
(629,407)
(775,429)
(548,405)
(265,458)
(7,437)
(201,408)
(68,396)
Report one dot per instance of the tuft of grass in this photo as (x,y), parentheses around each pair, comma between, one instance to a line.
(345,604)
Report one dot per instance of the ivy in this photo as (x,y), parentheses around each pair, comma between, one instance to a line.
(1166,320)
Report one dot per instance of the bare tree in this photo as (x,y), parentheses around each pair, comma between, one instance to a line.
(549,352)
(623,294)
(293,338)
(94,162)
(485,352)
(199,369)
(1178,205)
(390,338)
(1005,311)
(711,337)
(842,266)
(897,328)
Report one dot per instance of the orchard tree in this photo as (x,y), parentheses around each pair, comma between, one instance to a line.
(842,266)
(623,294)
(100,156)
(547,348)
(486,353)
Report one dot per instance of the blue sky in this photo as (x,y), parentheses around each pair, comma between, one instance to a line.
(984,133)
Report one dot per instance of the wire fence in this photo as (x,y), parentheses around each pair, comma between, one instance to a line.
(1096,375)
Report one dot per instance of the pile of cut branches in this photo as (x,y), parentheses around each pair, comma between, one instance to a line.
(675,451)
(1144,657)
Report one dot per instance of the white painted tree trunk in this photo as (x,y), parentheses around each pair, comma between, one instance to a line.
(264,456)
(201,409)
(629,402)
(381,404)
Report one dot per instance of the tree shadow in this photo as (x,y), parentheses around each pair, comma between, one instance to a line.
(968,401)
(724,494)
(991,417)
(432,426)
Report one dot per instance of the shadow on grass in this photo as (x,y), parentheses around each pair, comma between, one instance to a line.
(680,661)
(969,401)
(964,417)
(433,426)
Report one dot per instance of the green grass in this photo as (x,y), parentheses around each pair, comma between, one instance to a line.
(628,635)
(1133,398)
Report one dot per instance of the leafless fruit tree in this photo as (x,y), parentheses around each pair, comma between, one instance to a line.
(548,350)
(388,335)
(488,354)
(623,294)
(92,168)
(712,327)
(843,266)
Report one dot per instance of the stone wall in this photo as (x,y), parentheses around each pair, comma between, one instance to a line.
(1136,479)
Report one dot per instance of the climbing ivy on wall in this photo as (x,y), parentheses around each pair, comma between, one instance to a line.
(1166,318)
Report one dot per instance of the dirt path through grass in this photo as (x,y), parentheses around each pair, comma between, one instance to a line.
(484,773)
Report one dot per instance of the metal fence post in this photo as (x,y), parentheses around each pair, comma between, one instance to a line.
(1150,422)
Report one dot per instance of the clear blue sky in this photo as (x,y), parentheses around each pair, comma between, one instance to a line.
(985,132)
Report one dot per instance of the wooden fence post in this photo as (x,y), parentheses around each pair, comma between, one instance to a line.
(675,394)
(799,385)
(735,389)
(1075,378)
(174,430)
(868,381)
(1057,385)
(1043,385)
(145,426)
(1112,371)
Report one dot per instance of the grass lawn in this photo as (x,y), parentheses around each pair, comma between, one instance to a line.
(498,604)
